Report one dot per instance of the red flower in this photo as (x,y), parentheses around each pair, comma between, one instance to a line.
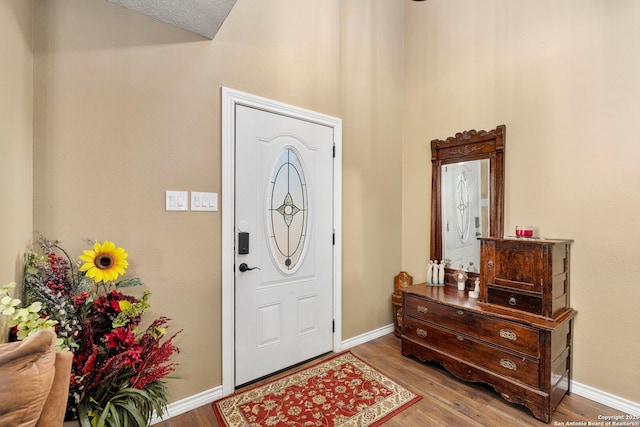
(121,338)
(105,309)
(83,364)
(154,363)
(115,306)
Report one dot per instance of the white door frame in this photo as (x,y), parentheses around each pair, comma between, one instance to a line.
(230,98)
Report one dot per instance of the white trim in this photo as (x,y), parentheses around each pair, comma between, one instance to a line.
(368,336)
(608,399)
(209,396)
(188,404)
(228,214)
(230,98)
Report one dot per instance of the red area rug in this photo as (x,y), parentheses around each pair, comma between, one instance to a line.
(340,391)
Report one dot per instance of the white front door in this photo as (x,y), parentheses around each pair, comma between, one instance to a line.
(462,214)
(283,241)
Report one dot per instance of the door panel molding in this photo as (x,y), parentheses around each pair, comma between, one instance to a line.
(231,98)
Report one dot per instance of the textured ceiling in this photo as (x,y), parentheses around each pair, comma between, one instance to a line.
(202,17)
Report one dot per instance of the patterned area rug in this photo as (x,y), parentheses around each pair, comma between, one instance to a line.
(340,391)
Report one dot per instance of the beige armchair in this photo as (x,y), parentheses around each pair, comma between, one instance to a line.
(34,382)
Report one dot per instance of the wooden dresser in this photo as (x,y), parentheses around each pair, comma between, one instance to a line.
(522,350)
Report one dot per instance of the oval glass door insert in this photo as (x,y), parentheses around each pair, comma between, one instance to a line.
(463,218)
(287,211)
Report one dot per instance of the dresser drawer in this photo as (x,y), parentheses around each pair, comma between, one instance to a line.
(515,300)
(494,359)
(487,328)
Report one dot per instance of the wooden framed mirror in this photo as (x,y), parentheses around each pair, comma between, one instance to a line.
(467,197)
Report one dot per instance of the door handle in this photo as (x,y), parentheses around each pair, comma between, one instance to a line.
(244,267)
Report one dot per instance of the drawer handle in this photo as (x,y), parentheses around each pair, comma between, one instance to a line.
(490,264)
(513,301)
(508,364)
(508,334)
(421,309)
(421,333)
(460,337)
(460,312)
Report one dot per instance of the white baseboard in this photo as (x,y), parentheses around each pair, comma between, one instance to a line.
(361,339)
(189,403)
(208,396)
(608,399)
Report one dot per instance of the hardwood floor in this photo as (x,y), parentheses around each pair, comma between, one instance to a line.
(446,401)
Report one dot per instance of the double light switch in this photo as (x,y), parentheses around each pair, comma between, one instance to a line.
(200,201)
(176,201)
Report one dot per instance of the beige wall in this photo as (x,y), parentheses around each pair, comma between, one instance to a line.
(127,107)
(371,100)
(16,137)
(563,77)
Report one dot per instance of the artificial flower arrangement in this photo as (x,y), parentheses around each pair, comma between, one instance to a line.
(117,370)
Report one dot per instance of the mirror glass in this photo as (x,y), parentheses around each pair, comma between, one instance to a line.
(465,212)
(467,197)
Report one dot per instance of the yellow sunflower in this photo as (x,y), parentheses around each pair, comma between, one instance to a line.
(104,263)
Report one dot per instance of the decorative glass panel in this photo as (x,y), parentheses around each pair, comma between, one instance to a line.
(463,217)
(287,211)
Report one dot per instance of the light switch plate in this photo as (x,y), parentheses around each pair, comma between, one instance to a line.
(201,201)
(176,201)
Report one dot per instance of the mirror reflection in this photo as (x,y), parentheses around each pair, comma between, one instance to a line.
(465,212)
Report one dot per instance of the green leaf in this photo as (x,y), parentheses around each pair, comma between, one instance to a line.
(83,415)
(123,405)
(135,413)
(21,314)
(35,307)
(60,345)
(128,283)
(108,408)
